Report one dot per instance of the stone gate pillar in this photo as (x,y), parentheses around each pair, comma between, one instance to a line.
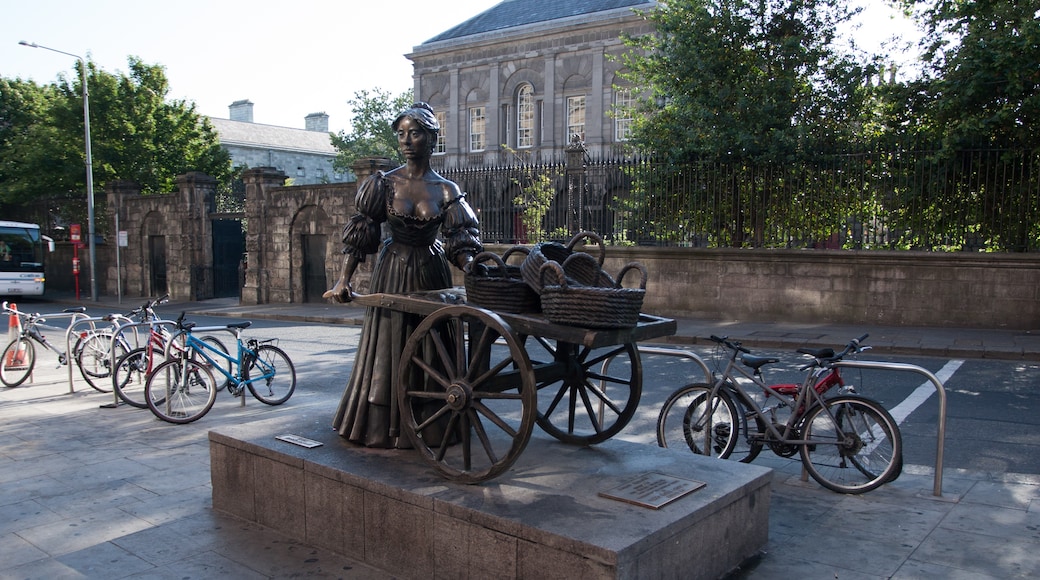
(191,257)
(259,181)
(125,260)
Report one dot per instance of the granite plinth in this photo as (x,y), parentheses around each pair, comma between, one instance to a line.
(543,518)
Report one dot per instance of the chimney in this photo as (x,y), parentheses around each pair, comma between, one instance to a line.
(317,122)
(242,111)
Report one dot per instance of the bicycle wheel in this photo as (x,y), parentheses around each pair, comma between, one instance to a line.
(855,444)
(684,419)
(129,377)
(180,391)
(278,372)
(93,355)
(17,363)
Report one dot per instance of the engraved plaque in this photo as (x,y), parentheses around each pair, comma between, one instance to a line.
(652,490)
(301,441)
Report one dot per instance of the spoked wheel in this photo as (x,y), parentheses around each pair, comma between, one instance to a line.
(466,393)
(17,362)
(587,395)
(128,377)
(717,426)
(94,356)
(855,444)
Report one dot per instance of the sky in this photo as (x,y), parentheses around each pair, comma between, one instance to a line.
(289,58)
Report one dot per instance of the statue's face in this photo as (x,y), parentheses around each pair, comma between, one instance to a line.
(412,139)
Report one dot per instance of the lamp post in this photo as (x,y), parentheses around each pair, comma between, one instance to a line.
(90,166)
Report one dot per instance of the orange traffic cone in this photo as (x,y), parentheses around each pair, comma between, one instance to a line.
(15,358)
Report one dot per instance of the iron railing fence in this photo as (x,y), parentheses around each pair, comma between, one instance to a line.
(971,200)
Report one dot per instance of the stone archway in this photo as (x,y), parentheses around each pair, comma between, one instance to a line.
(308,252)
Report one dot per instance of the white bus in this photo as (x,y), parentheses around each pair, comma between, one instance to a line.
(22,256)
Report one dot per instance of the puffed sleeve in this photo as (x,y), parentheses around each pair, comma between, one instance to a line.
(460,229)
(361,235)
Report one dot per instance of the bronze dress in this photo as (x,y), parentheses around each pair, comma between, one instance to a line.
(411,259)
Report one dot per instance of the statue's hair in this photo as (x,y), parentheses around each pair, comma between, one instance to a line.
(421,113)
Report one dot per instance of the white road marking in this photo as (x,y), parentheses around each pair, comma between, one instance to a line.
(921,394)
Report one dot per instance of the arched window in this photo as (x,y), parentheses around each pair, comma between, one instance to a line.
(525,116)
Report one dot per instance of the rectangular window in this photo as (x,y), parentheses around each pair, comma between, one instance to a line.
(477,124)
(623,105)
(576,117)
(442,144)
(525,117)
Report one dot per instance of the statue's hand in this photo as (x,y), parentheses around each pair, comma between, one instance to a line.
(341,293)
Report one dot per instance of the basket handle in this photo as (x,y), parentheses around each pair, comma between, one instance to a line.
(633,266)
(557,270)
(516,250)
(485,256)
(592,236)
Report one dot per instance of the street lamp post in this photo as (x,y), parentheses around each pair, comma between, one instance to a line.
(90,166)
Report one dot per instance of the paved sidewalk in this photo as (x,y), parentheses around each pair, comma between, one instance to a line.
(91,492)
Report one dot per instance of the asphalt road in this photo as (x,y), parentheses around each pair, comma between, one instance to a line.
(991,422)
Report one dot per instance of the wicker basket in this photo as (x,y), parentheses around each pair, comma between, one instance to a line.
(591,306)
(500,287)
(586,270)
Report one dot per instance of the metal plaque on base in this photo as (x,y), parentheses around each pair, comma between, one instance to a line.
(652,490)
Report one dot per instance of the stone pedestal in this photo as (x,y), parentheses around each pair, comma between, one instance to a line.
(544,518)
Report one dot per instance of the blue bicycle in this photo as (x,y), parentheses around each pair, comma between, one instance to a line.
(183,389)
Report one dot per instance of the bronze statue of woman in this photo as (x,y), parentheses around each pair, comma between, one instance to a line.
(431,228)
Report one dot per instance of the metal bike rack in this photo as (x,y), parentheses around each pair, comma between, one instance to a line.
(875,365)
(939,388)
(709,378)
(665,351)
(77,318)
(120,331)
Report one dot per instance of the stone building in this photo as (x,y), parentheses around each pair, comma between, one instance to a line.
(304,155)
(529,74)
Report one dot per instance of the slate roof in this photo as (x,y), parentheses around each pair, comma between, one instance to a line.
(272,137)
(513,13)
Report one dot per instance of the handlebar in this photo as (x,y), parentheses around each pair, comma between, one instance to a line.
(821,357)
(730,344)
(824,359)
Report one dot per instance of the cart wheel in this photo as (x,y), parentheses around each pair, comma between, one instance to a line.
(466,393)
(595,394)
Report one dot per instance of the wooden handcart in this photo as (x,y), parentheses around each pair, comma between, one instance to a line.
(472,383)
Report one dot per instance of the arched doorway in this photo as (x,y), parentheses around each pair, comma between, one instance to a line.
(309,249)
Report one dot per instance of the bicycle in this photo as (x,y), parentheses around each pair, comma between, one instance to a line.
(182,390)
(132,369)
(19,357)
(847,442)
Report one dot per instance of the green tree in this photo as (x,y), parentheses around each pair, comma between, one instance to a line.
(740,79)
(370,133)
(976,107)
(982,73)
(740,83)
(136,134)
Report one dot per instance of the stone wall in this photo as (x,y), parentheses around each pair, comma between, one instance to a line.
(972,290)
(798,286)
(181,218)
(278,217)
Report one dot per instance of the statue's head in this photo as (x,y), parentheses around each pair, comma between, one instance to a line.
(423,115)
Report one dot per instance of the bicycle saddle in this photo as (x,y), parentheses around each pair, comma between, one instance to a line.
(757,362)
(817,352)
